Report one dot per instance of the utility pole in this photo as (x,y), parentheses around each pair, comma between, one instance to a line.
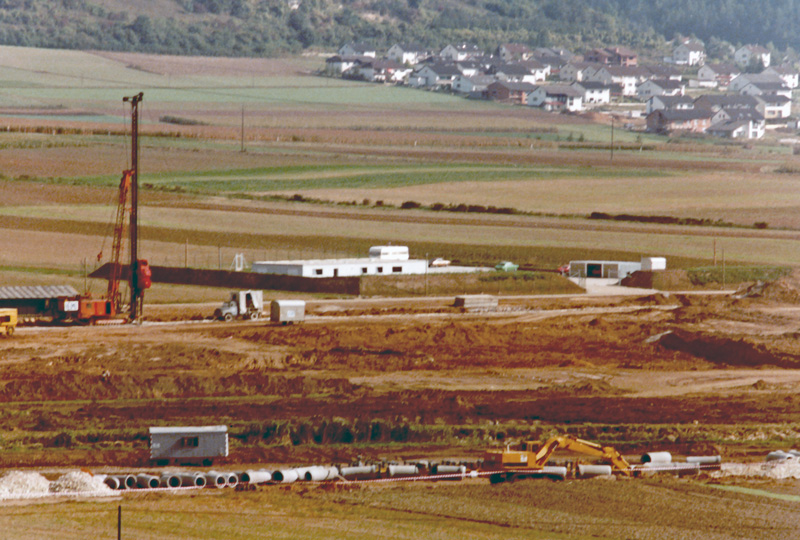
(242,128)
(136,293)
(612,139)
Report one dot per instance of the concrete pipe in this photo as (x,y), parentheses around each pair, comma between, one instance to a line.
(147,481)
(111,481)
(704,460)
(285,476)
(255,477)
(126,481)
(403,470)
(231,479)
(779,455)
(591,471)
(449,469)
(215,479)
(363,470)
(657,457)
(556,472)
(170,481)
(321,474)
(192,480)
(795,453)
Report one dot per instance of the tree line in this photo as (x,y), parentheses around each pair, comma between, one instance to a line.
(272,27)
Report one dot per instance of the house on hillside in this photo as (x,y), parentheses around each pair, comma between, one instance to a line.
(685,120)
(339,65)
(656,103)
(627,77)
(774,107)
(518,72)
(460,52)
(510,52)
(357,49)
(717,75)
(612,56)
(787,74)
(758,88)
(752,54)
(407,53)
(716,103)
(556,97)
(737,123)
(434,76)
(575,71)
(655,87)
(476,84)
(747,78)
(594,93)
(509,92)
(382,71)
(690,53)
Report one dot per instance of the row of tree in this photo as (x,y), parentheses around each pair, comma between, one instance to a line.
(268,27)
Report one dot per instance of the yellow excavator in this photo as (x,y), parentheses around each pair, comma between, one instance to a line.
(530,459)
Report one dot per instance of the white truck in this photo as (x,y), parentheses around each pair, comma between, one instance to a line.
(242,305)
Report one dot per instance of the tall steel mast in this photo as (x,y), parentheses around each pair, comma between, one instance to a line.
(136,291)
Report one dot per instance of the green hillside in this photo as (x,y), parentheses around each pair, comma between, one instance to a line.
(271,27)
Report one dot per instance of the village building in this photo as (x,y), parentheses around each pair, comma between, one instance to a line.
(787,74)
(690,53)
(656,103)
(684,120)
(436,75)
(663,87)
(594,93)
(557,97)
(509,92)
(752,54)
(474,85)
(612,56)
(407,53)
(357,49)
(510,52)
(717,75)
(460,52)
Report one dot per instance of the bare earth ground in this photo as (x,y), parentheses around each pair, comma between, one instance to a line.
(688,374)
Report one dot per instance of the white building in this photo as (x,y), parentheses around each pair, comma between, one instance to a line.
(752,54)
(382,261)
(689,54)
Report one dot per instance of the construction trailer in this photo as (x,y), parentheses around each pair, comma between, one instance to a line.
(287,311)
(188,445)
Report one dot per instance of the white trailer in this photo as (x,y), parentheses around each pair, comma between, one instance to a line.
(287,311)
(188,444)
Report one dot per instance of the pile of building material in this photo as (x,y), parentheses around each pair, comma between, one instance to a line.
(477,302)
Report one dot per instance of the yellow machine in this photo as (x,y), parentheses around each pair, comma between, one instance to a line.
(8,320)
(530,458)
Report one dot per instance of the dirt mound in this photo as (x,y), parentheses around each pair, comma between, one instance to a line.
(726,351)
(784,290)
(664,280)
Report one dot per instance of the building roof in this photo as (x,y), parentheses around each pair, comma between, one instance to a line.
(412,47)
(512,69)
(37,292)
(723,69)
(770,86)
(756,49)
(674,101)
(710,101)
(561,90)
(682,115)
(692,46)
(727,126)
(591,85)
(627,71)
(442,68)
(665,84)
(516,86)
(781,70)
(744,114)
(189,429)
(774,99)
(662,72)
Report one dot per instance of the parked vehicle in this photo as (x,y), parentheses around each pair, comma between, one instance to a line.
(8,320)
(241,305)
(287,311)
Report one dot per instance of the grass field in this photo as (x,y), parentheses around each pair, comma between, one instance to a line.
(346,142)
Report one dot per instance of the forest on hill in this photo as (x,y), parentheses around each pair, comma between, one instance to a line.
(273,27)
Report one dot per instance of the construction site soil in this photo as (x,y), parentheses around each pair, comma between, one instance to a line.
(690,373)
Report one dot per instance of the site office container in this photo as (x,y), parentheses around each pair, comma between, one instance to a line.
(188,444)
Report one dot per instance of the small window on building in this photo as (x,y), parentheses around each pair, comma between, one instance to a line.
(190,442)
(318,271)
(364,270)
(380,269)
(397,269)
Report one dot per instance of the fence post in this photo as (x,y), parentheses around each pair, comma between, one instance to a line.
(119,522)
